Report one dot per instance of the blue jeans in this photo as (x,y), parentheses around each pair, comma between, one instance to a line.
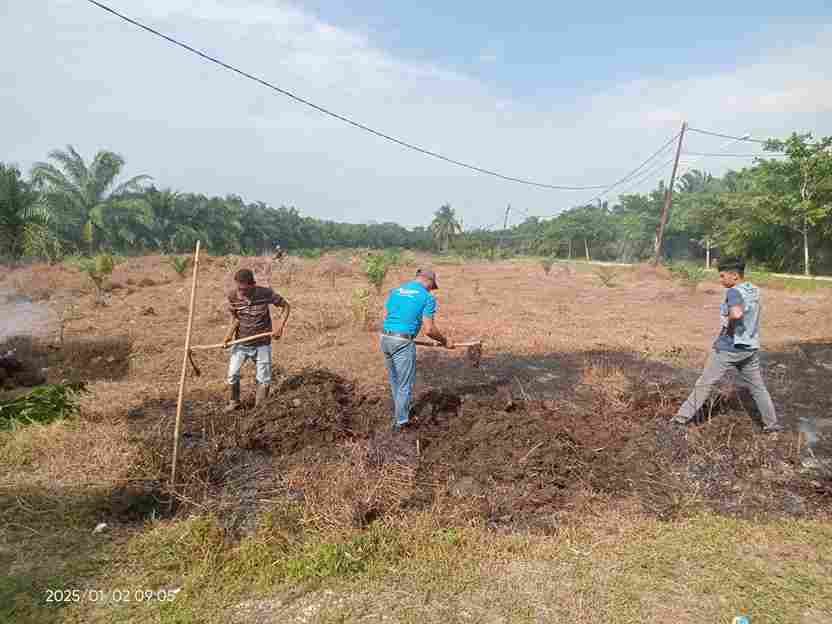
(400,358)
(261,356)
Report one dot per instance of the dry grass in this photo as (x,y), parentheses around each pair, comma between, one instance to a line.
(348,493)
(608,557)
(608,382)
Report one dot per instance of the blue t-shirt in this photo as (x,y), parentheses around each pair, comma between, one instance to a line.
(406,305)
(725,340)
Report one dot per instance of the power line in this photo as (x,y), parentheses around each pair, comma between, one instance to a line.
(630,175)
(647,174)
(335,115)
(762,155)
(728,136)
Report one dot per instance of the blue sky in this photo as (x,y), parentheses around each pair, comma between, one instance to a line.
(563,46)
(575,94)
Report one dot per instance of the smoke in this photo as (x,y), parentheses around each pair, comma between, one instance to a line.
(20,316)
(808,427)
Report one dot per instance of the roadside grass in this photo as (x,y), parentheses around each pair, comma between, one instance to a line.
(413,569)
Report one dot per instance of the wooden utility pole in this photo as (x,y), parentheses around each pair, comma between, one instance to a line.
(668,198)
(181,396)
(505,227)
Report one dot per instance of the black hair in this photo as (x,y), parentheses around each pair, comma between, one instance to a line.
(244,276)
(734,264)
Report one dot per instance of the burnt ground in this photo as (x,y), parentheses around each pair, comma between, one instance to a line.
(516,444)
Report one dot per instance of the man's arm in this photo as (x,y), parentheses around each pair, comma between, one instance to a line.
(232,331)
(432,331)
(736,309)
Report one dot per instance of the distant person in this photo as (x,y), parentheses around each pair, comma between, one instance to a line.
(249,308)
(737,347)
(408,307)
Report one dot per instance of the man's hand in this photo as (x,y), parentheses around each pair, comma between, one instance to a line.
(449,344)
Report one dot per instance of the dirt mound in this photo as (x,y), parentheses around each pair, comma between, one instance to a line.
(309,410)
(22,363)
(510,461)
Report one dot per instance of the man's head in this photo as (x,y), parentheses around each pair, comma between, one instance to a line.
(244,279)
(428,278)
(731,271)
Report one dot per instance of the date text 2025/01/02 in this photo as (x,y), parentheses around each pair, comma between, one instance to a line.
(110,595)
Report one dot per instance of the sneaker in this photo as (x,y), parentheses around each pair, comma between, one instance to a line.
(399,427)
(679,422)
(777,428)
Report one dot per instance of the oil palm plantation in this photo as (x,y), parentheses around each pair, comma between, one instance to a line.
(85,200)
(445,227)
(20,208)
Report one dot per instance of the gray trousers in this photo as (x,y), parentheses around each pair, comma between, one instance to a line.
(747,365)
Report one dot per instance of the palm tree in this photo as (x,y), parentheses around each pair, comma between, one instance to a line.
(83,196)
(694,181)
(444,227)
(20,207)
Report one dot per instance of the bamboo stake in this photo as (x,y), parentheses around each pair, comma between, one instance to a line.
(182,377)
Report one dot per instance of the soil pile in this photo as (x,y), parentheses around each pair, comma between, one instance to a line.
(309,411)
(22,364)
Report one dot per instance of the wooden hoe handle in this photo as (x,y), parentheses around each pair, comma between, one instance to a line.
(221,345)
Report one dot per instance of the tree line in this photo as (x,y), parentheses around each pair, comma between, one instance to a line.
(777,212)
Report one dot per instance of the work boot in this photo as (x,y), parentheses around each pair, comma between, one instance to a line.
(262,394)
(234,401)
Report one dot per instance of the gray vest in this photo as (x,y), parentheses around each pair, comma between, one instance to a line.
(747,329)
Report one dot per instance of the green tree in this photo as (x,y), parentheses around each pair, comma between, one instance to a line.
(445,227)
(20,206)
(84,198)
(797,191)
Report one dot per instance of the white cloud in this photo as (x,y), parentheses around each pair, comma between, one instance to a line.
(85,78)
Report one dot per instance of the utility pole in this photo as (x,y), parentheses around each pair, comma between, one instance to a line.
(668,198)
(505,227)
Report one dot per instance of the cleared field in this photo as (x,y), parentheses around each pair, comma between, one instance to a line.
(544,485)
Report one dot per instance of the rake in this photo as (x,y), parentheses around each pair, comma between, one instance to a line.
(473,349)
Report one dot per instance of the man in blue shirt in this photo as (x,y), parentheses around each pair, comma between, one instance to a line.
(408,307)
(737,347)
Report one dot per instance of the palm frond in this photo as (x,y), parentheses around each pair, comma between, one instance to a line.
(72,163)
(104,170)
(131,185)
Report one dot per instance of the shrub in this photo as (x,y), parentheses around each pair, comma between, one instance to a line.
(360,305)
(393,257)
(311,253)
(375,268)
(179,264)
(689,275)
(98,269)
(40,242)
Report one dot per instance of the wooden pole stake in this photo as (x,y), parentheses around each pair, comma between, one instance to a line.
(182,377)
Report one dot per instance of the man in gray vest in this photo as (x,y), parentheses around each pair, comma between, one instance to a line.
(737,347)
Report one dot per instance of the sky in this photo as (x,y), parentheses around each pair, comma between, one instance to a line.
(572,95)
